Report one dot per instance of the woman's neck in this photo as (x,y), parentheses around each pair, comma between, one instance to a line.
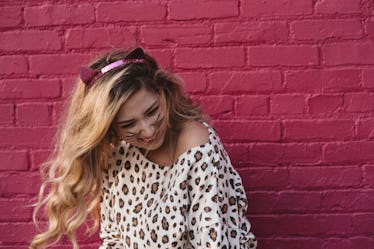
(165,154)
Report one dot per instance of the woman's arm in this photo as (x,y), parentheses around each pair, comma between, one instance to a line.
(217,204)
(109,232)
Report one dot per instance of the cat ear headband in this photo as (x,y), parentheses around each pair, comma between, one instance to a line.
(89,76)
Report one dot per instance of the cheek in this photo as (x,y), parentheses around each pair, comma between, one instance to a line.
(163,126)
(119,133)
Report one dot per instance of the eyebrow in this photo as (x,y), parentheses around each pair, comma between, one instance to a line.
(146,111)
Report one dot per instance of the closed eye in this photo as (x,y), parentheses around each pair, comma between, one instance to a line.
(149,112)
(127,125)
(153,111)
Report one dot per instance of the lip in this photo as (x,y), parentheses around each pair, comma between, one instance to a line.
(151,140)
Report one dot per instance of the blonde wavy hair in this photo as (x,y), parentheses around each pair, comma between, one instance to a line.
(72,177)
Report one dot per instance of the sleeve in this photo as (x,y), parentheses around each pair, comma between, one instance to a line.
(218,204)
(109,232)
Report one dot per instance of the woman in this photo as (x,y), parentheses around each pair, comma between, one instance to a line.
(137,155)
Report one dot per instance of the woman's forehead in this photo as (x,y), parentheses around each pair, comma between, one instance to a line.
(137,104)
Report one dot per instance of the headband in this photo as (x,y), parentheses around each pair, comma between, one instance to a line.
(89,76)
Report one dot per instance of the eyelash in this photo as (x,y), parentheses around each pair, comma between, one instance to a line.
(151,113)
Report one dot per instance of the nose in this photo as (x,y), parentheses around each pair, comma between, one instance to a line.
(147,129)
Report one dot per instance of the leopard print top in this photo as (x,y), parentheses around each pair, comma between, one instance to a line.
(198,202)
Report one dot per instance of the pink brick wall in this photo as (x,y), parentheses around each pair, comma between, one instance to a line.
(289,84)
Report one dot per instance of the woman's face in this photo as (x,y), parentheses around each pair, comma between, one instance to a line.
(141,120)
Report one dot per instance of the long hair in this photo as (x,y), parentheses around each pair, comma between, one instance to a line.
(72,177)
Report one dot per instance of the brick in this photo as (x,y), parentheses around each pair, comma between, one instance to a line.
(366,7)
(368,78)
(365,129)
(30,41)
(251,105)
(13,160)
(194,82)
(15,210)
(6,114)
(35,137)
(348,201)
(252,8)
(57,64)
(48,15)
(10,16)
(59,108)
(15,247)
(194,9)
(359,242)
(249,130)
(322,80)
(13,230)
(303,225)
(25,89)
(264,178)
(353,242)
(33,114)
(368,178)
(68,85)
(287,104)
(370,27)
(281,55)
(238,82)
(222,106)
(292,242)
(13,64)
(325,177)
(359,102)
(130,11)
(348,53)
(284,202)
(20,183)
(348,152)
(363,242)
(82,13)
(163,57)
(237,152)
(325,104)
(101,37)
(250,32)
(38,157)
(301,202)
(337,6)
(285,153)
(176,34)
(263,202)
(320,130)
(212,57)
(323,29)
(363,224)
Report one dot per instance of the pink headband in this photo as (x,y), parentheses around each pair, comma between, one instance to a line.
(89,76)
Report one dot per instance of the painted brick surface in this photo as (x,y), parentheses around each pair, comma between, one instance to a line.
(289,86)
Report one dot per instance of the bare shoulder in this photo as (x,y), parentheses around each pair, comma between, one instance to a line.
(193,134)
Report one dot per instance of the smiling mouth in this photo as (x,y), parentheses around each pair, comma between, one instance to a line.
(147,141)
